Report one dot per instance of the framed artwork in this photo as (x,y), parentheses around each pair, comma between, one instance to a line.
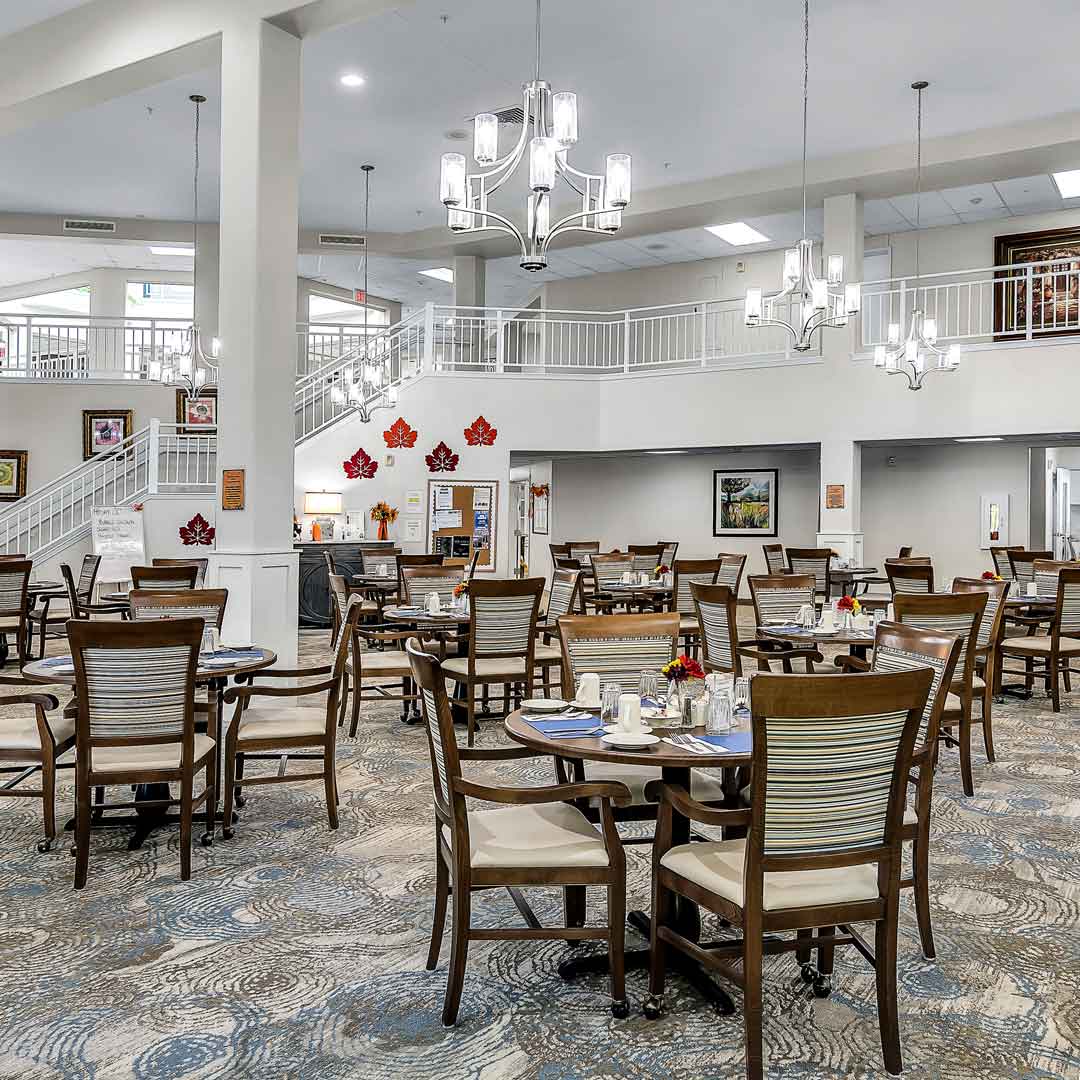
(197,413)
(105,429)
(745,503)
(994,520)
(540,494)
(12,474)
(834,496)
(1054,303)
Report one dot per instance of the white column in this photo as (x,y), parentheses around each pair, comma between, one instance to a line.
(840,527)
(469,281)
(844,236)
(260,113)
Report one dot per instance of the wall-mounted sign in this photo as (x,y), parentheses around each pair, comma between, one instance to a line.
(232,489)
(834,496)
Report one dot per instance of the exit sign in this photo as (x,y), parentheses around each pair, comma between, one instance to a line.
(361,296)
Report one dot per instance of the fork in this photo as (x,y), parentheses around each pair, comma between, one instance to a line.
(687,742)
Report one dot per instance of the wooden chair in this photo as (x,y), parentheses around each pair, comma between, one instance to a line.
(908,576)
(960,614)
(1000,557)
(717,607)
(670,550)
(904,553)
(816,561)
(607,569)
(502,641)
(421,581)
(12,558)
(731,570)
(561,563)
(372,560)
(201,567)
(30,741)
(646,557)
(415,560)
(780,597)
(15,607)
(81,605)
(986,679)
(473,562)
(536,837)
(905,648)
(282,729)
(823,856)
(371,603)
(775,560)
(582,549)
(1022,565)
(135,694)
(1056,648)
(687,572)
(55,610)
(206,604)
(564,598)
(559,551)
(164,577)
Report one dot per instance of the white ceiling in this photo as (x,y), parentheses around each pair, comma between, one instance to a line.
(19,14)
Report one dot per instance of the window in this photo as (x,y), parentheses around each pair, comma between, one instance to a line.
(69,302)
(326,309)
(159,300)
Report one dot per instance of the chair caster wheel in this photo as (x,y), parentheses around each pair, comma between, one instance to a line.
(207,839)
(226,834)
(43,846)
(72,851)
(653,1007)
(240,801)
(809,973)
(620,1009)
(823,986)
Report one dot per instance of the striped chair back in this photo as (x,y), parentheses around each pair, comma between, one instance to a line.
(646,557)
(201,567)
(816,561)
(731,570)
(88,576)
(169,578)
(14,577)
(503,617)
(1023,566)
(439,726)
(1068,621)
(831,762)
(909,577)
(373,560)
(775,562)
(716,613)
(1002,566)
(339,595)
(994,614)
(422,581)
(946,613)
(667,555)
(780,596)
(1045,573)
(206,604)
(689,572)
(583,549)
(414,560)
(617,647)
(563,595)
(609,568)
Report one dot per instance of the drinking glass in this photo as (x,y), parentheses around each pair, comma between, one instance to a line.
(742,692)
(207,645)
(718,718)
(647,687)
(609,703)
(806,617)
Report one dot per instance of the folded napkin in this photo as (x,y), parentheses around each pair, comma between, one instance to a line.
(784,628)
(58,662)
(737,742)
(235,654)
(575,721)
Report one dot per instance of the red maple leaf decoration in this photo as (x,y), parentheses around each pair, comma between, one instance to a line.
(481,433)
(360,466)
(441,459)
(197,531)
(400,434)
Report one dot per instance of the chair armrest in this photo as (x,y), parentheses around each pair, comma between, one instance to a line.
(677,796)
(766,649)
(290,673)
(851,663)
(42,701)
(618,793)
(496,753)
(243,693)
(16,680)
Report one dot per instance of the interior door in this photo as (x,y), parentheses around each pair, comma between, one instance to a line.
(1062,514)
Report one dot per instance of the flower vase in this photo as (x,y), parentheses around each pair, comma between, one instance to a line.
(384,529)
(674,703)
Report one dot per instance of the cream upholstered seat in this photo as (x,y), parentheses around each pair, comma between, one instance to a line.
(552,654)
(688,624)
(1039,645)
(21,732)
(718,867)
(105,759)
(512,667)
(290,723)
(376,663)
(703,786)
(547,834)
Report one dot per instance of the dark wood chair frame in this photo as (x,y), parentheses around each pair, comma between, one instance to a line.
(909,570)
(765,650)
(821,592)
(826,926)
(770,550)
(690,639)
(719,594)
(456,879)
(202,566)
(988,656)
(176,577)
(83,606)
(1000,558)
(22,613)
(724,556)
(599,600)
(40,616)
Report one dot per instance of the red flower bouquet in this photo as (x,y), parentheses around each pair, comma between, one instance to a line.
(989,575)
(661,570)
(848,603)
(682,668)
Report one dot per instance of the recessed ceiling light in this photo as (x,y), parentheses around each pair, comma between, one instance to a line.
(665,451)
(737,233)
(182,252)
(441,273)
(352,80)
(1068,183)
(983,438)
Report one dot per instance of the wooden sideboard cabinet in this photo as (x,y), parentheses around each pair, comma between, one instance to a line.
(314,583)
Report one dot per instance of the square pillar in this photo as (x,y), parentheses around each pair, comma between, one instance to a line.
(840,527)
(260,119)
(844,236)
(469,281)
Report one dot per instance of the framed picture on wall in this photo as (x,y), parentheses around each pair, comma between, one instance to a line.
(540,494)
(745,503)
(12,474)
(1049,296)
(197,413)
(994,520)
(105,429)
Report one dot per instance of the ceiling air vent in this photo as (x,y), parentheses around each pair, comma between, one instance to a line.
(513,114)
(82,225)
(342,240)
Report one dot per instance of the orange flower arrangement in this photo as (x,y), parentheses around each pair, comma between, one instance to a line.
(384,514)
(461,589)
(682,668)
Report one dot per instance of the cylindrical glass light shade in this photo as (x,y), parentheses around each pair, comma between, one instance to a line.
(486,138)
(539,216)
(930,329)
(894,333)
(154,371)
(184,364)
(835,272)
(879,356)
(753,306)
(852,298)
(392,395)
(911,352)
(452,180)
(617,182)
(337,394)
(457,220)
(820,295)
(564,118)
(542,164)
(199,378)
(791,266)
(609,221)
(953,357)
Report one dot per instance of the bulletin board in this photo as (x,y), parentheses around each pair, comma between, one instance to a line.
(461,518)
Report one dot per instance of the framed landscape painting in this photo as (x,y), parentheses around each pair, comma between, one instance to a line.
(12,474)
(745,503)
(105,430)
(1054,304)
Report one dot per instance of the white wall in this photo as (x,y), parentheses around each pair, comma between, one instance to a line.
(930,500)
(641,499)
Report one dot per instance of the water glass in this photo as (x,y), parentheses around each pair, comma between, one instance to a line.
(742,692)
(208,644)
(806,618)
(647,687)
(718,718)
(609,703)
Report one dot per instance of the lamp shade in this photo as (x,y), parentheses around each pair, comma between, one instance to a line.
(322,502)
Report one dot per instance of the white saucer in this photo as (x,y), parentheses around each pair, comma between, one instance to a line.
(544,705)
(581,705)
(613,729)
(237,645)
(629,740)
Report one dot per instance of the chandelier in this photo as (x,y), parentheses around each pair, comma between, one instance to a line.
(190,369)
(355,387)
(553,121)
(919,353)
(806,302)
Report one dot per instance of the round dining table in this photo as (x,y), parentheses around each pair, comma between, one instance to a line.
(857,641)
(215,677)
(674,765)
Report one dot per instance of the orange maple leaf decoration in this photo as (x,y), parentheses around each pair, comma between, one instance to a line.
(399,434)
(441,459)
(360,466)
(481,433)
(197,531)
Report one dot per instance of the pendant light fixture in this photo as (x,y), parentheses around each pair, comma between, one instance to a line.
(919,353)
(192,368)
(552,119)
(806,302)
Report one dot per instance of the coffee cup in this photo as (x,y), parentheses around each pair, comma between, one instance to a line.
(643,578)
(627,578)
(629,712)
(588,690)
(1032,589)
(384,570)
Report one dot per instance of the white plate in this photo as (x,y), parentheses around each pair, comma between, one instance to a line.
(658,714)
(581,705)
(543,704)
(629,740)
(210,662)
(614,729)
(237,645)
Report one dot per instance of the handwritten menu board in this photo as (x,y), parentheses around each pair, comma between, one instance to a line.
(461,521)
(117,535)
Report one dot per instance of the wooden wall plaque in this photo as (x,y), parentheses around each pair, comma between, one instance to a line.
(232,489)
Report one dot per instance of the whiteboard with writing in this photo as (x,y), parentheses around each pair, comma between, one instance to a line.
(117,533)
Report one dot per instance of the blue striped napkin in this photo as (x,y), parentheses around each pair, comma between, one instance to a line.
(58,661)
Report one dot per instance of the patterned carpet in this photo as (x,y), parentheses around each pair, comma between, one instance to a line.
(297,952)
